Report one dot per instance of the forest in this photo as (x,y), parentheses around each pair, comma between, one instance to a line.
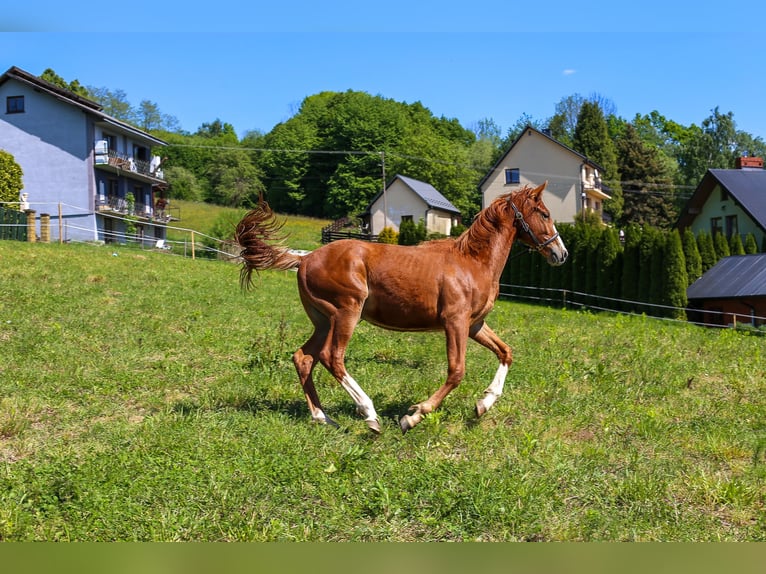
(334,154)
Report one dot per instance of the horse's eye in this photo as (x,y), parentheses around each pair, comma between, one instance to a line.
(546,216)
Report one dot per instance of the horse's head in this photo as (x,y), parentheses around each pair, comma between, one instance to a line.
(535,226)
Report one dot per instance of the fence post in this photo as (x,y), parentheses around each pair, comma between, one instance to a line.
(31,230)
(192,244)
(61,236)
(45,228)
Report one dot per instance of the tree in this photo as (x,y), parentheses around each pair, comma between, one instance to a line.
(11,175)
(608,258)
(751,246)
(692,256)
(631,269)
(646,181)
(183,184)
(721,246)
(114,103)
(675,279)
(234,180)
(735,245)
(74,86)
(706,248)
(712,145)
(564,121)
(591,138)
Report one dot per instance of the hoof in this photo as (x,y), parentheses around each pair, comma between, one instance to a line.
(480,409)
(374,426)
(406,423)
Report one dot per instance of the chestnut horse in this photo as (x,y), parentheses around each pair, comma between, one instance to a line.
(445,285)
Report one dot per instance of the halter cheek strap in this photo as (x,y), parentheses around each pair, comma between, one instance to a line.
(539,245)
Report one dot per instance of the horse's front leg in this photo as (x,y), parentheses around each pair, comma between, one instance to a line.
(486,337)
(457,338)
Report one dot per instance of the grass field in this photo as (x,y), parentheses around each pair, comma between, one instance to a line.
(302,232)
(143,396)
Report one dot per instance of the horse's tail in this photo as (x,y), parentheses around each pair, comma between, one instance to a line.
(258,234)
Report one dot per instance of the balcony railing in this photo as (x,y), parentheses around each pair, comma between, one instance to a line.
(121,206)
(128,163)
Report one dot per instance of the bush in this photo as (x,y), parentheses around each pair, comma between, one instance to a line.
(388,235)
(10,177)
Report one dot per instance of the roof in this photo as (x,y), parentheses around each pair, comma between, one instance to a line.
(69,97)
(428,194)
(425,191)
(732,277)
(552,139)
(746,186)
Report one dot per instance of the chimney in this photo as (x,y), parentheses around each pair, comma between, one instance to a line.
(749,163)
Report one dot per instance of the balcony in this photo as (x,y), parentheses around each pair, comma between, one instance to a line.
(120,206)
(115,162)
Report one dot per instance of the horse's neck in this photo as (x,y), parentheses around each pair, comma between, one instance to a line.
(497,250)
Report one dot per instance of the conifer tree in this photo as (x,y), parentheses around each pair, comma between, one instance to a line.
(630,265)
(675,280)
(708,256)
(735,245)
(608,254)
(721,246)
(751,246)
(692,256)
(647,182)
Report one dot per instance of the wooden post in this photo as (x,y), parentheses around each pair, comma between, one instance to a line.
(61,224)
(192,244)
(31,230)
(45,228)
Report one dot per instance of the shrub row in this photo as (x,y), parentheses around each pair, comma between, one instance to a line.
(637,265)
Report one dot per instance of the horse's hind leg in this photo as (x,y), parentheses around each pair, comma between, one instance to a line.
(333,358)
(305,360)
(486,337)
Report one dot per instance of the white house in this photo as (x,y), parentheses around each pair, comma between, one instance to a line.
(574,181)
(409,199)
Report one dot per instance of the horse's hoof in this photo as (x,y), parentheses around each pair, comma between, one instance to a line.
(405,423)
(480,409)
(374,426)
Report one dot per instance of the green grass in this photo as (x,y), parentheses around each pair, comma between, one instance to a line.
(302,232)
(143,396)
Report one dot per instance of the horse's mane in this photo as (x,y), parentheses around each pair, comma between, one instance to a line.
(486,224)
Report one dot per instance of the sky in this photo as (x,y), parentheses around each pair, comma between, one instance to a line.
(251,65)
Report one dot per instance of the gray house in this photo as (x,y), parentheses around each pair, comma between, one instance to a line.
(407,199)
(97,172)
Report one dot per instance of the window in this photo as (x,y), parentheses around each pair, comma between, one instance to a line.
(731,226)
(406,218)
(14,105)
(111,142)
(512,176)
(715,226)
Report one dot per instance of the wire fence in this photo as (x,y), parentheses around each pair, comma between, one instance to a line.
(196,244)
(568,299)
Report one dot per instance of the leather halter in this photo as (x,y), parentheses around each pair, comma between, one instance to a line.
(539,245)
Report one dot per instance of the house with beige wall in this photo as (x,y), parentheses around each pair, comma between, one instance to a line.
(574,181)
(409,199)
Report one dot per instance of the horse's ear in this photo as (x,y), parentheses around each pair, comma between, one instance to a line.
(537,192)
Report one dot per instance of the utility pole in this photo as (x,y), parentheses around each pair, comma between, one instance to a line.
(385,200)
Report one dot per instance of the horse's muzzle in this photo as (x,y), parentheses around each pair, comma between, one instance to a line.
(558,254)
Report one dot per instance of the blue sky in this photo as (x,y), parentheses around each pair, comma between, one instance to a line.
(251,66)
